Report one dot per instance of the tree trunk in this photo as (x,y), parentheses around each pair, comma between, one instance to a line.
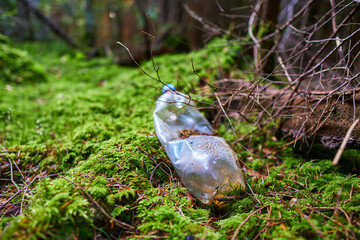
(25,13)
(141,5)
(48,22)
(90,27)
(269,13)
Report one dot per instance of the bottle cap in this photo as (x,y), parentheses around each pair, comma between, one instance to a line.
(168,87)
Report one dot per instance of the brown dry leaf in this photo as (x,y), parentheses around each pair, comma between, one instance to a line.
(185,133)
(255,174)
(269,151)
(283,227)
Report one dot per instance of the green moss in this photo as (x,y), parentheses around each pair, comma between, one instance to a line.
(16,66)
(57,211)
(91,122)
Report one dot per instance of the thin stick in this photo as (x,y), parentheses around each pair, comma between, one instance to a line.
(314,57)
(22,200)
(317,230)
(227,117)
(12,176)
(11,198)
(288,22)
(253,193)
(243,222)
(219,6)
(137,64)
(252,36)
(7,201)
(154,161)
(307,218)
(18,155)
(344,142)
(230,198)
(333,22)
(285,69)
(117,222)
(209,26)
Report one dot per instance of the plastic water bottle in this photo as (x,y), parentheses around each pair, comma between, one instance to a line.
(206,164)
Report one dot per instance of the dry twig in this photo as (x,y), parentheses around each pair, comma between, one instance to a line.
(343,144)
(117,222)
(243,222)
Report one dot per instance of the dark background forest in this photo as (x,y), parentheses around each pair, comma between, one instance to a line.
(96,26)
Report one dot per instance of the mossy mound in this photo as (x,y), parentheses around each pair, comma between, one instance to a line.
(16,66)
(92,124)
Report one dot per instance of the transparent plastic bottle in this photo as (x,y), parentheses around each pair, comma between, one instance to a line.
(206,164)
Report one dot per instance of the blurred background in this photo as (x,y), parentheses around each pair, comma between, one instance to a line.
(96,26)
(314,33)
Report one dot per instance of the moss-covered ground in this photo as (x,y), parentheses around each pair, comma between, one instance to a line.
(80,160)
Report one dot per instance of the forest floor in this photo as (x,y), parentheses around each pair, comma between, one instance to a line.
(80,160)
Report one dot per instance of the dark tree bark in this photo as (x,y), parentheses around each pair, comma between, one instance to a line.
(90,27)
(48,22)
(269,13)
(141,5)
(25,14)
